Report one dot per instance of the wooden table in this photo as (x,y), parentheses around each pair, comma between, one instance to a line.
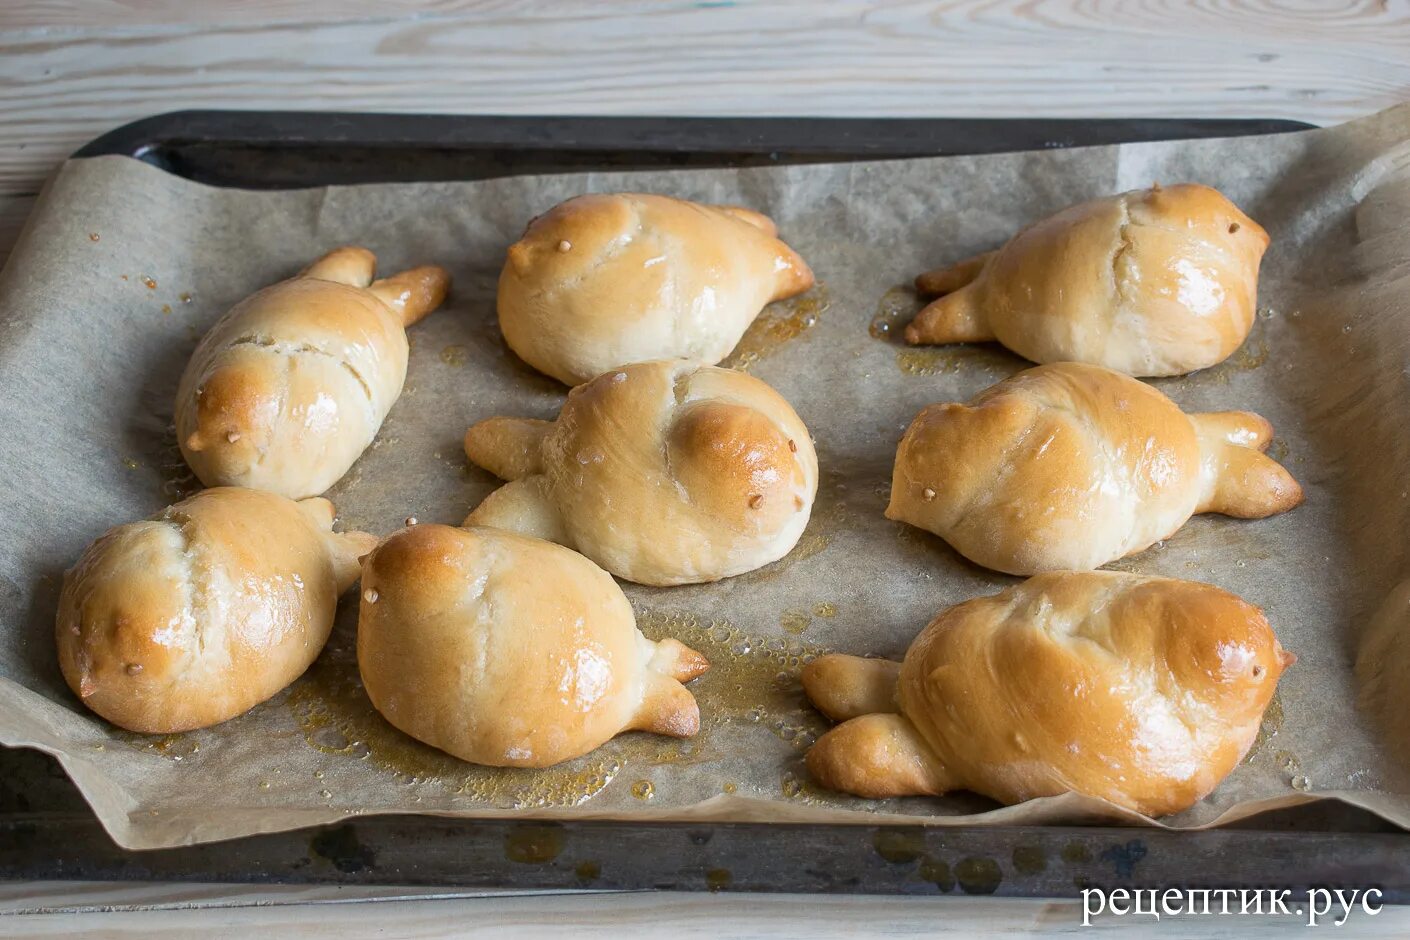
(70,69)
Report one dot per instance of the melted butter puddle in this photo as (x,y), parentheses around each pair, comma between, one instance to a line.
(751,680)
(534,845)
(1250,355)
(778,324)
(173,747)
(945,360)
(898,307)
(796,620)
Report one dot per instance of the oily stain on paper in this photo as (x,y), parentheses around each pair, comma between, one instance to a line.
(778,324)
(898,306)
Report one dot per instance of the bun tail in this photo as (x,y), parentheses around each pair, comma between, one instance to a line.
(843,687)
(1245,483)
(414,293)
(349,264)
(748,216)
(345,549)
(793,276)
(523,506)
(319,511)
(876,757)
(949,279)
(954,318)
(1242,428)
(673,658)
(667,707)
(510,448)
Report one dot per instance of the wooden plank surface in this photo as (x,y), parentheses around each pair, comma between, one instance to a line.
(675,915)
(610,917)
(61,898)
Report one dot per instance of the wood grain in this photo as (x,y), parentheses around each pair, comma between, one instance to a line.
(25,898)
(128,13)
(679,916)
(667,914)
(70,70)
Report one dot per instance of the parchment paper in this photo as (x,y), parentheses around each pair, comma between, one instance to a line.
(123,267)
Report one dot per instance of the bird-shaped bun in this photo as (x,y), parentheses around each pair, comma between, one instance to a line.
(288,388)
(669,472)
(1160,281)
(1145,692)
(510,651)
(205,610)
(1072,466)
(603,280)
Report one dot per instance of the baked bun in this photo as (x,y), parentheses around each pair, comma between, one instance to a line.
(669,472)
(1072,466)
(603,280)
(204,610)
(1145,692)
(290,386)
(510,651)
(1158,281)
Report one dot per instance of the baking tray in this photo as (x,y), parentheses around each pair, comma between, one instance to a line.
(46,831)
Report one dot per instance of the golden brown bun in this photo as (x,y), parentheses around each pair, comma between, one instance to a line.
(603,280)
(669,472)
(291,385)
(1158,281)
(1142,691)
(510,651)
(204,610)
(1072,466)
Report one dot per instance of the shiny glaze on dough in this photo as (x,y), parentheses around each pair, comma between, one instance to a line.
(205,610)
(511,651)
(1160,281)
(1072,466)
(287,390)
(669,472)
(603,280)
(1145,692)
